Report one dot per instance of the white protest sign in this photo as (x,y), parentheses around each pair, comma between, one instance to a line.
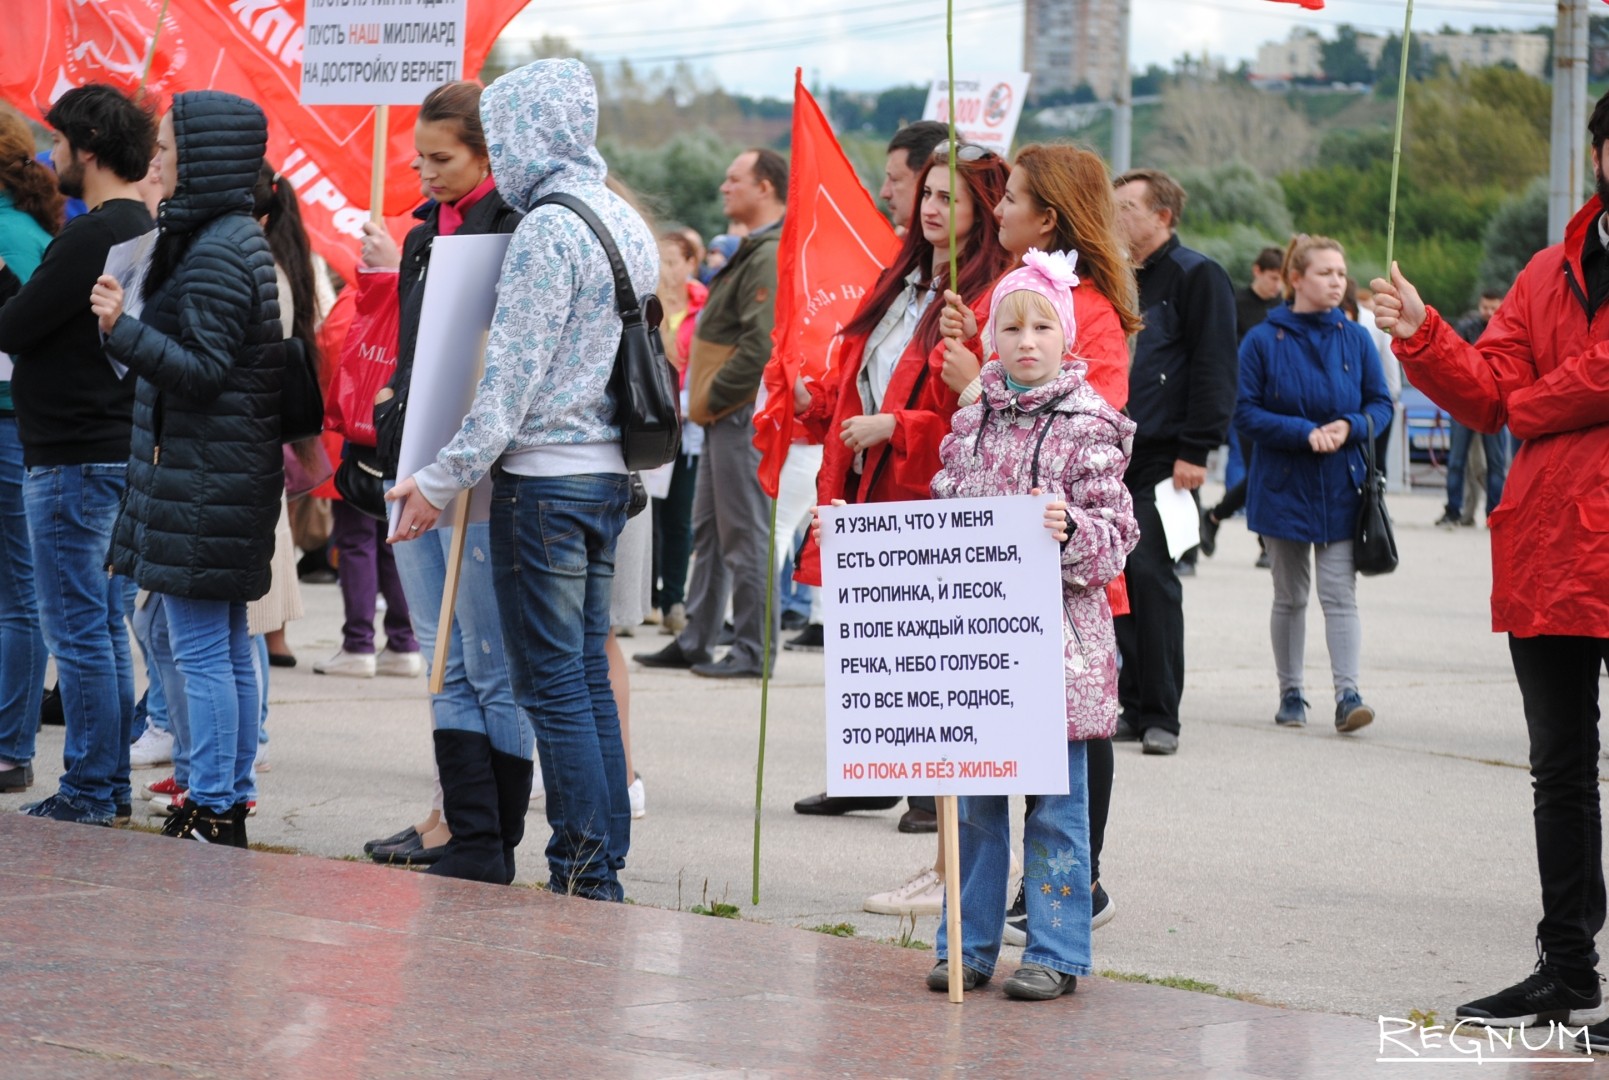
(456,316)
(128,262)
(943,625)
(987,108)
(380,52)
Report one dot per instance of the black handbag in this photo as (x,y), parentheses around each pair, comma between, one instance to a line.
(301,403)
(646,388)
(1374,548)
(359,482)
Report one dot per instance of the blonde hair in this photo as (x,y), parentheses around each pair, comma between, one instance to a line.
(1300,253)
(1018,306)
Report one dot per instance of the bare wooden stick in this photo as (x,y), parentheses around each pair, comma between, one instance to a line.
(950,837)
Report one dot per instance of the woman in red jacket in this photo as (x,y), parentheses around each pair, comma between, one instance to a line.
(1059,198)
(884,414)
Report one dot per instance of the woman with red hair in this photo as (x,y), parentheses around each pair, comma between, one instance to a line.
(883,415)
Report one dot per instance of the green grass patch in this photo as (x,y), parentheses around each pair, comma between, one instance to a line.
(1180,982)
(842,929)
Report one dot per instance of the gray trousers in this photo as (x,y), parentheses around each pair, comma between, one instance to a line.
(731,524)
(1337,594)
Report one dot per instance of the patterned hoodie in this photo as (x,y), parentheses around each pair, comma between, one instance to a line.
(1079,446)
(544,407)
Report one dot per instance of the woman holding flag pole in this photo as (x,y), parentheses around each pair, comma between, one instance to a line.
(883,418)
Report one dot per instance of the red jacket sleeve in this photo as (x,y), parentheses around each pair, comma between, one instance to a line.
(1102,345)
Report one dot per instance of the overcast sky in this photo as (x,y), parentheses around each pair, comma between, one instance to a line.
(752,46)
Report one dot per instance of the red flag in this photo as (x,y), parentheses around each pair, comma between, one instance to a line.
(834,243)
(248,47)
(1313,5)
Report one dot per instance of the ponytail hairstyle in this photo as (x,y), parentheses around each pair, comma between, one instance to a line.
(458,103)
(1300,252)
(1071,182)
(32,186)
(274,203)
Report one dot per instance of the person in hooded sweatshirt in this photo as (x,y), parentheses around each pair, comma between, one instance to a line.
(1310,380)
(205,472)
(542,424)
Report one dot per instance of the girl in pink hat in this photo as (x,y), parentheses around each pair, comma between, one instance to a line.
(1039,427)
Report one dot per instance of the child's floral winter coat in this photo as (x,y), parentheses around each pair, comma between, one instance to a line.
(1077,446)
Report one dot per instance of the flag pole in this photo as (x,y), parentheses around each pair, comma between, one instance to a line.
(766,664)
(948,809)
(150,52)
(1396,140)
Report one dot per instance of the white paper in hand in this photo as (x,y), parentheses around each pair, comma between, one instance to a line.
(128,263)
(1181,522)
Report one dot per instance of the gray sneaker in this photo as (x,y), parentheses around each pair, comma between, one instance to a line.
(1036,982)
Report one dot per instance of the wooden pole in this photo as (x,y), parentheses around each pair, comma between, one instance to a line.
(382,126)
(950,838)
(449,591)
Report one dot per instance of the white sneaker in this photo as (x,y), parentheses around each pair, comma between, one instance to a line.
(539,795)
(922,895)
(352,665)
(404,665)
(261,763)
(152,748)
(639,801)
(675,620)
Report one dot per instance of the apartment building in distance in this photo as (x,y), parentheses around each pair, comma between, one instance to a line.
(1299,56)
(1070,42)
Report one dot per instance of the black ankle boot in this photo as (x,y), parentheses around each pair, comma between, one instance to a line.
(237,814)
(198,823)
(513,774)
(469,803)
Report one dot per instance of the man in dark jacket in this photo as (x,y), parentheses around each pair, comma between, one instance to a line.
(1493,450)
(731,514)
(73,415)
(1181,395)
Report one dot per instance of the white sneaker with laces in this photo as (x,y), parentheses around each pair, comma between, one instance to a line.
(922,895)
(152,748)
(639,801)
(351,665)
(404,665)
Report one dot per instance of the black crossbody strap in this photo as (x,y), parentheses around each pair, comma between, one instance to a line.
(625,295)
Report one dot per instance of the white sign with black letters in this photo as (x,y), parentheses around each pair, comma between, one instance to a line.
(380,52)
(943,625)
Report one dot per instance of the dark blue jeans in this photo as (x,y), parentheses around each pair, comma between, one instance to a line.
(22,646)
(71,509)
(1496,447)
(553,562)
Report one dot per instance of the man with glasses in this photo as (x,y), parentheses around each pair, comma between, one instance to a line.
(1182,388)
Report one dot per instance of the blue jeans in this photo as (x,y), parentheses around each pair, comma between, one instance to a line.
(213,654)
(1055,876)
(22,645)
(166,684)
(71,510)
(475,695)
(1496,447)
(553,564)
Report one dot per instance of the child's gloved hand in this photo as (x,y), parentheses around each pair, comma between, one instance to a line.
(1057,519)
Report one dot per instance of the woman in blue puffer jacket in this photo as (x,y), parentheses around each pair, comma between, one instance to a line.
(1310,387)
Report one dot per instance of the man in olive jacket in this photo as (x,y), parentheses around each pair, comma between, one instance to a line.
(731,514)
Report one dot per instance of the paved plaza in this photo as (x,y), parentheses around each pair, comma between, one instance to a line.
(1322,880)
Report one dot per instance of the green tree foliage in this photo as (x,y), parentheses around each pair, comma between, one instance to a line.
(679,181)
(1422,64)
(1343,61)
(1516,232)
(898,106)
(1482,126)
(1208,123)
(1234,194)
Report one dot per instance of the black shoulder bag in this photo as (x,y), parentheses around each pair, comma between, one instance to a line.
(645,385)
(1374,548)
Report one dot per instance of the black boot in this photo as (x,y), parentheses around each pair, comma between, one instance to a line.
(469,802)
(195,822)
(238,813)
(513,774)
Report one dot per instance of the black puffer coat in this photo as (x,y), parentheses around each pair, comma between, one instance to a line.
(205,475)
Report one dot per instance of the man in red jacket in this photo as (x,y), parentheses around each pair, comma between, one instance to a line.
(1542,368)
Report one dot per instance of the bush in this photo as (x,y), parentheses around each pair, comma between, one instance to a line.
(1516,232)
(1233,194)
(679,181)
(1233,247)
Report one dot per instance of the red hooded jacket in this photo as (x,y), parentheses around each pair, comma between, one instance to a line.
(1542,368)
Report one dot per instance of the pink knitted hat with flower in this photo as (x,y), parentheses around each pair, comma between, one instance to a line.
(1050,274)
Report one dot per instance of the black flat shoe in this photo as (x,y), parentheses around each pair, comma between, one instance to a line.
(918,821)
(391,841)
(825,804)
(276,659)
(410,852)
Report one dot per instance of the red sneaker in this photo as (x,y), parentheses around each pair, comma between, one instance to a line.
(161,787)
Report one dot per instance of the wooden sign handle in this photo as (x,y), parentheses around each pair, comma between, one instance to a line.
(950,837)
(382,133)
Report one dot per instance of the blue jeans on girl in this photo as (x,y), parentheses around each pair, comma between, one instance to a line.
(1055,876)
(213,654)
